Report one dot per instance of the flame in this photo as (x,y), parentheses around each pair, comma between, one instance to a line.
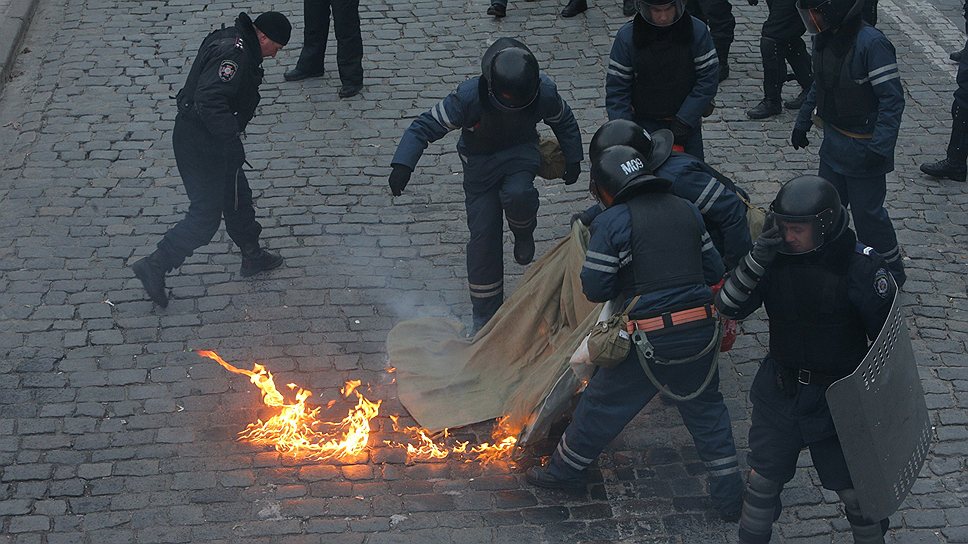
(296,428)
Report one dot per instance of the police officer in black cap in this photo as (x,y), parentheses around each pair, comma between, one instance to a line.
(857,94)
(827,296)
(650,244)
(216,104)
(497,114)
(716,196)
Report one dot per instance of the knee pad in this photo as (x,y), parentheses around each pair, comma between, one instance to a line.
(865,531)
(761,507)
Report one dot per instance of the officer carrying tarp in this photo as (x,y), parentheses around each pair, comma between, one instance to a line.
(650,253)
(497,114)
(827,296)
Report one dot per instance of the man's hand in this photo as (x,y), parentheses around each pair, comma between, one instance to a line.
(799,139)
(680,130)
(399,178)
(768,244)
(571,173)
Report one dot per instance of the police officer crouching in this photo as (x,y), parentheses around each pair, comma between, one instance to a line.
(652,244)
(497,114)
(826,296)
(216,104)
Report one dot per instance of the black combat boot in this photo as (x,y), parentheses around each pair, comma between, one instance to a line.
(774,71)
(953,166)
(799,59)
(255,260)
(523,247)
(497,10)
(151,271)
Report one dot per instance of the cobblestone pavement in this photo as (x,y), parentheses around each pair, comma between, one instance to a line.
(111,430)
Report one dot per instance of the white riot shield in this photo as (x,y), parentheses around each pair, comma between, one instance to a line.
(882,420)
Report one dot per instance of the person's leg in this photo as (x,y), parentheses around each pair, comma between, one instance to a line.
(315,36)
(519,198)
(613,397)
(349,45)
(872,222)
(774,71)
(485,250)
(244,229)
(722,23)
(828,459)
(707,420)
(799,59)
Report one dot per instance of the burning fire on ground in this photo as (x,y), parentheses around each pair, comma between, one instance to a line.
(298,430)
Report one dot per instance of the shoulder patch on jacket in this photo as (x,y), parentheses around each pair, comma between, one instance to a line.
(882,282)
(227,70)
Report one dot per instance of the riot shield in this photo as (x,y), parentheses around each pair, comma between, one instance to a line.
(882,420)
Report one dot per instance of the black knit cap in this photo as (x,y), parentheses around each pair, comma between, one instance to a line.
(275,26)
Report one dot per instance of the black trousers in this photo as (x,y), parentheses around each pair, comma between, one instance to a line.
(211,171)
(349,42)
(718,14)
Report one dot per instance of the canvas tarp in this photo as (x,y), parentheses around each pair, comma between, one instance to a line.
(513,364)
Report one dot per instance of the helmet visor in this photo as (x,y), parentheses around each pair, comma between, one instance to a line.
(510,101)
(816,19)
(660,13)
(803,233)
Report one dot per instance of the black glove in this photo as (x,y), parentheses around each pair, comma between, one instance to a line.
(681,131)
(586,217)
(571,173)
(872,159)
(799,139)
(768,244)
(399,178)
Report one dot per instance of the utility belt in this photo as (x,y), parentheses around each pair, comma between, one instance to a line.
(706,312)
(645,352)
(855,135)
(789,379)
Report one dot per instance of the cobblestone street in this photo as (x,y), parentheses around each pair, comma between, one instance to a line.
(113,431)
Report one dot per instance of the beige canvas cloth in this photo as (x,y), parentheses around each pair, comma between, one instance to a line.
(512,365)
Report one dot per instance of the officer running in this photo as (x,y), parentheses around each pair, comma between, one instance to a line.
(663,72)
(826,296)
(497,114)
(858,96)
(650,244)
(214,107)
(715,195)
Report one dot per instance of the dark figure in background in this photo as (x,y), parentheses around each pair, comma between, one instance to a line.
(718,14)
(663,72)
(497,114)
(953,166)
(858,96)
(349,44)
(826,297)
(651,244)
(715,196)
(217,102)
(957,55)
(781,43)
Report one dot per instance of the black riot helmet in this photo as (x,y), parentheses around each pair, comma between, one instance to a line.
(620,172)
(823,15)
(809,213)
(511,73)
(655,147)
(660,13)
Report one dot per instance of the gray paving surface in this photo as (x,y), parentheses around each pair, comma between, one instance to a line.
(111,430)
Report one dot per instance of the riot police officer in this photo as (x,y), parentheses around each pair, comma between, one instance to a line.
(857,95)
(716,196)
(650,244)
(954,166)
(497,114)
(663,72)
(214,108)
(826,296)
(781,43)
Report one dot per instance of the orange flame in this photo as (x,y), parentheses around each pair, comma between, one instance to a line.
(294,429)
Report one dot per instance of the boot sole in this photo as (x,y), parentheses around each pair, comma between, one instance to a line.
(940,175)
(161,299)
